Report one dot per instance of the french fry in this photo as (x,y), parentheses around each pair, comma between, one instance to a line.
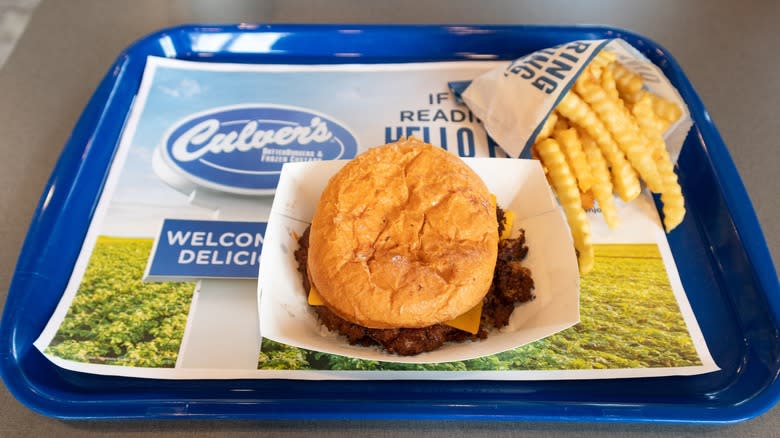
(601,62)
(672,198)
(624,130)
(602,186)
(628,83)
(605,58)
(645,116)
(569,196)
(560,125)
(671,193)
(608,83)
(665,110)
(575,156)
(535,156)
(588,201)
(579,113)
(547,127)
(631,99)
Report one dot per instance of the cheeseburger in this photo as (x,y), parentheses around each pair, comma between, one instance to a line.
(405,252)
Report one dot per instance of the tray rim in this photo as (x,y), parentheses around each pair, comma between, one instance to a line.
(730,184)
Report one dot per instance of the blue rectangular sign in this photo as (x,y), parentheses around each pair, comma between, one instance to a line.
(193,249)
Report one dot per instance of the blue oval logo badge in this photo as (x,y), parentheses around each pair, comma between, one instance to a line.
(241,149)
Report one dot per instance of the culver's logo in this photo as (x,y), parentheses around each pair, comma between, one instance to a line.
(241,149)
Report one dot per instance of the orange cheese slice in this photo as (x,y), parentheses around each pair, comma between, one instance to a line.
(315,299)
(468,322)
(509,220)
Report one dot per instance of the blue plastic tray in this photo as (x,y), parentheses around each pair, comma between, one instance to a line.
(720,252)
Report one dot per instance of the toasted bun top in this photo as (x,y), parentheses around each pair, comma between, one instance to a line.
(404,235)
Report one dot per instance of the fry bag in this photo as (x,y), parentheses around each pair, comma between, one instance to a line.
(514,101)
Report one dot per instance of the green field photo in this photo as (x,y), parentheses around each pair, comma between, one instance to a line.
(629,319)
(117,319)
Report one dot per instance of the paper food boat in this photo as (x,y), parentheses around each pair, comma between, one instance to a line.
(519,186)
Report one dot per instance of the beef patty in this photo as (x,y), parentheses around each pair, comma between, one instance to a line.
(512,284)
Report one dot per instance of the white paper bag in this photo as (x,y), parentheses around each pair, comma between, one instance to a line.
(513,101)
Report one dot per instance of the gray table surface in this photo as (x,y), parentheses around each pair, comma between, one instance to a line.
(728,50)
